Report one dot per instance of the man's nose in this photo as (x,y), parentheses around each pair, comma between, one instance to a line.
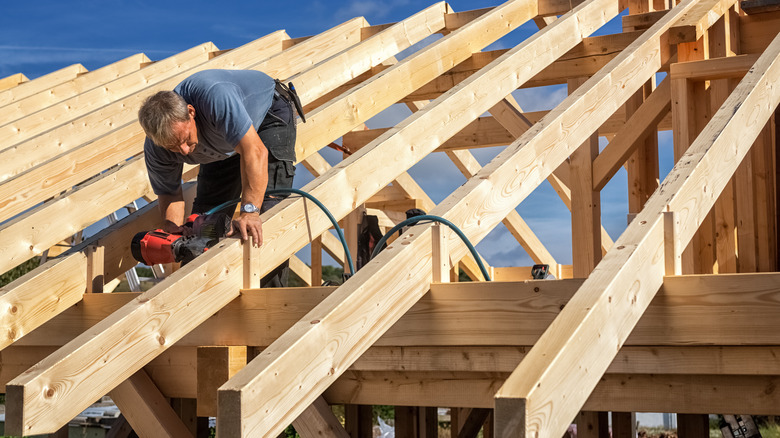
(184,148)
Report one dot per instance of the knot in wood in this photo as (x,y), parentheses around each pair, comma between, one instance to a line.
(48,392)
(316,321)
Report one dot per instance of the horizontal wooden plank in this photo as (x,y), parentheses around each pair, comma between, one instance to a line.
(175,370)
(716,68)
(642,393)
(740,310)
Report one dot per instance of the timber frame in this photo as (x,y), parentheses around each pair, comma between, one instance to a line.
(677,311)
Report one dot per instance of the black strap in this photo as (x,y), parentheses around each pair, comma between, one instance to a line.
(288,92)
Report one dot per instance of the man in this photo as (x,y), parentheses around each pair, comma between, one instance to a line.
(227,121)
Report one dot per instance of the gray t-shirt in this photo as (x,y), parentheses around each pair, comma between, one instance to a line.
(227,103)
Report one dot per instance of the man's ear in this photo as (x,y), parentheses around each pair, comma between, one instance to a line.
(191,110)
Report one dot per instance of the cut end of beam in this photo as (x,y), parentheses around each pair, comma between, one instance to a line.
(510,417)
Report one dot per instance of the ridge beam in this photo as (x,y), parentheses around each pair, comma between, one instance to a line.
(295,369)
(553,382)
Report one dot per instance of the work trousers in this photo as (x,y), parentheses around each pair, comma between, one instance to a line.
(220,181)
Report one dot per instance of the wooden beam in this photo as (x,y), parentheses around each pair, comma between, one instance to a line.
(692,26)
(584,59)
(33,232)
(469,166)
(640,393)
(215,366)
(12,81)
(212,280)
(32,300)
(41,83)
(585,203)
(146,409)
(241,398)
(557,357)
(127,140)
(354,61)
(640,124)
(716,68)
(391,85)
(740,307)
(80,84)
(28,123)
(318,420)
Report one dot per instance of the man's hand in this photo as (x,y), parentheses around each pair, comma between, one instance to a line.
(171,228)
(248,224)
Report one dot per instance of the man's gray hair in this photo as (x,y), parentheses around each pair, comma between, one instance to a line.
(159,112)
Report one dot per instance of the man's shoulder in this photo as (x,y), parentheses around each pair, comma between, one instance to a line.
(208,78)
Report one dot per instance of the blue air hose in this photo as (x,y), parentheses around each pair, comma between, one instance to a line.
(427,217)
(281,191)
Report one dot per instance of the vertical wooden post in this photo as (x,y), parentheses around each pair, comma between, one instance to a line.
(672,255)
(764,175)
(623,425)
(429,422)
(350,225)
(252,275)
(95,268)
(585,204)
(642,166)
(720,45)
(215,365)
(440,255)
(186,408)
(406,421)
(358,420)
(316,261)
(693,425)
(592,425)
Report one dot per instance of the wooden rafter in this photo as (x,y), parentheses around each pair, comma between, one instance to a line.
(283,359)
(523,403)
(220,264)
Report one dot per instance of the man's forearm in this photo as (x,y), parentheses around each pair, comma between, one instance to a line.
(172,208)
(254,171)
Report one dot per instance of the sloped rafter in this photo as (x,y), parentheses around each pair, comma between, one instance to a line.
(130,172)
(78,85)
(552,383)
(16,132)
(217,279)
(293,357)
(12,81)
(36,85)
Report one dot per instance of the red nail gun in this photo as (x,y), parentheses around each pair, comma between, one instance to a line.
(157,246)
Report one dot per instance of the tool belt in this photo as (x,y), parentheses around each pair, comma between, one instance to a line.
(288,93)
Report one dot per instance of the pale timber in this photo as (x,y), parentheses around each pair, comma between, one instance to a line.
(73,87)
(240,398)
(545,407)
(225,277)
(741,311)
(119,144)
(36,85)
(12,81)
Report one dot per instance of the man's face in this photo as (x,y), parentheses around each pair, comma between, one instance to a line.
(186,134)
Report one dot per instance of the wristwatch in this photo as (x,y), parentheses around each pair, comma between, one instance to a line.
(249,208)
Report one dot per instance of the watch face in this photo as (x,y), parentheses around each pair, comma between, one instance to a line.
(249,208)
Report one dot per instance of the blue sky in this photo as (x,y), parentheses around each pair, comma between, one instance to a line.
(40,37)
